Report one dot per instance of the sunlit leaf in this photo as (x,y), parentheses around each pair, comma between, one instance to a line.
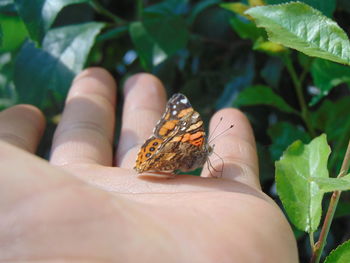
(340,255)
(326,7)
(269,47)
(332,184)
(256,2)
(38,15)
(237,8)
(13,33)
(300,195)
(303,28)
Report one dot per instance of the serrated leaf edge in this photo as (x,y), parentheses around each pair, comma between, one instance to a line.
(317,12)
(335,250)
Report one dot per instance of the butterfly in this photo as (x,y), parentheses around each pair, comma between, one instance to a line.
(178,142)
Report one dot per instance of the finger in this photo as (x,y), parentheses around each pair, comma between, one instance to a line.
(85,132)
(235,149)
(144,104)
(22,126)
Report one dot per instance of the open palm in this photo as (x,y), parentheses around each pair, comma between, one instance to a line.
(88,205)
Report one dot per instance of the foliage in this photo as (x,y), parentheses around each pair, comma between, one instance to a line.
(340,255)
(284,63)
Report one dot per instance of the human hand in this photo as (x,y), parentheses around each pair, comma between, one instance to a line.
(88,205)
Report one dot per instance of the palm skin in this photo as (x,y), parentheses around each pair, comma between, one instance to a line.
(79,208)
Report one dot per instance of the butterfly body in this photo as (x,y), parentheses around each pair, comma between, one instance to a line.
(178,141)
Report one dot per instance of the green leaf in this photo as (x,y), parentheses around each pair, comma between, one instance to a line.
(283,134)
(340,255)
(326,7)
(332,184)
(237,8)
(272,71)
(245,28)
(13,33)
(199,8)
(1,36)
(262,95)
(154,38)
(7,6)
(343,209)
(268,47)
(305,29)
(332,119)
(53,67)
(327,75)
(38,15)
(244,72)
(7,90)
(302,197)
(113,33)
(166,8)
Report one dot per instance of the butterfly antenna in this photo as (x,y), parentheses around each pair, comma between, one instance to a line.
(209,165)
(222,161)
(212,133)
(212,167)
(231,126)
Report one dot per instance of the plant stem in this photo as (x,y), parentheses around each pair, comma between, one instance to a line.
(312,241)
(305,70)
(103,11)
(317,252)
(305,114)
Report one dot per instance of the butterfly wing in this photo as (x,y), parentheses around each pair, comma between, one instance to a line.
(178,140)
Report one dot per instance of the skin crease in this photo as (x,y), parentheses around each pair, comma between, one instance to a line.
(86,205)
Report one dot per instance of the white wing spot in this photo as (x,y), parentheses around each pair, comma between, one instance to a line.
(183,128)
(195,116)
(184,100)
(174,106)
(174,112)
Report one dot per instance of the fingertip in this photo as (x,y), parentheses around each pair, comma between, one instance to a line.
(234,146)
(241,125)
(29,113)
(145,82)
(22,125)
(97,73)
(94,81)
(36,116)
